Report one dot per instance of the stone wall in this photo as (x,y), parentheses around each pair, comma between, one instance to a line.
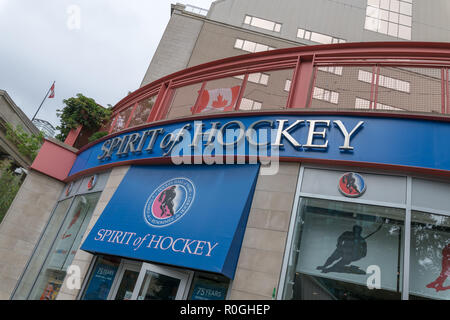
(22,226)
(260,261)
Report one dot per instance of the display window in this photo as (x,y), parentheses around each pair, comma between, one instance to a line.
(101,279)
(32,270)
(207,286)
(430,256)
(47,268)
(126,281)
(338,249)
(390,242)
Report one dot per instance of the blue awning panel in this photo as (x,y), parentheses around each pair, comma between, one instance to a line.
(187,216)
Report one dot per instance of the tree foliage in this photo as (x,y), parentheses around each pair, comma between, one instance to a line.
(27,144)
(9,186)
(81,110)
(97,135)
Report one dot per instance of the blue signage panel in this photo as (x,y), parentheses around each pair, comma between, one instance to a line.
(188,216)
(101,281)
(392,141)
(206,291)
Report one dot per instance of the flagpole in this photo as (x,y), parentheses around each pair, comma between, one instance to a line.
(43,101)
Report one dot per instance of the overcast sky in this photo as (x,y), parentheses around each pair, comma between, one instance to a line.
(103,55)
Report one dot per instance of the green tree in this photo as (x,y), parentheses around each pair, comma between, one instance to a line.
(9,186)
(97,135)
(27,144)
(80,110)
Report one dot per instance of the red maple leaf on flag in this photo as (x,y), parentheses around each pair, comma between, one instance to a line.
(220,103)
(52,91)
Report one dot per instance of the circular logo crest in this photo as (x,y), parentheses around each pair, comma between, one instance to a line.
(352,185)
(169,202)
(92,181)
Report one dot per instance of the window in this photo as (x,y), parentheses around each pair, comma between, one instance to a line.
(430,256)
(336,243)
(362,104)
(390,17)
(61,239)
(248,104)
(259,78)
(262,23)
(272,96)
(317,37)
(287,85)
(194,9)
(251,46)
(332,69)
(101,278)
(384,81)
(365,76)
(365,104)
(326,95)
(43,247)
(208,286)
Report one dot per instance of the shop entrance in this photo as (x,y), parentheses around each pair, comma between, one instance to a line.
(146,281)
(161,283)
(125,281)
(114,278)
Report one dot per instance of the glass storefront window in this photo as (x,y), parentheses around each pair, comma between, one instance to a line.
(127,284)
(48,236)
(158,287)
(345,251)
(101,278)
(113,278)
(430,256)
(63,248)
(207,286)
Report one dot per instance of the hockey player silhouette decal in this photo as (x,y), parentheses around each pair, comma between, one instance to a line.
(438,284)
(169,202)
(166,201)
(350,247)
(352,185)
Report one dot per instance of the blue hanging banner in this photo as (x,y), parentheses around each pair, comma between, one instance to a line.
(186,216)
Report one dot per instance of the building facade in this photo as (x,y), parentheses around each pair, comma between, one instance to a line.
(252,164)
(11,114)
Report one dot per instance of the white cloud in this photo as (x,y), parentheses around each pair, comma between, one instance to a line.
(104,59)
(3,4)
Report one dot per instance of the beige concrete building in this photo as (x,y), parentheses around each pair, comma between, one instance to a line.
(12,114)
(329,177)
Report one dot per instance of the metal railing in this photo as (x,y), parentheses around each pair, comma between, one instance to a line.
(196,10)
(390,77)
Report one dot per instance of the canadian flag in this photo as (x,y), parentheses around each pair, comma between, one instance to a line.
(222,99)
(52,91)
